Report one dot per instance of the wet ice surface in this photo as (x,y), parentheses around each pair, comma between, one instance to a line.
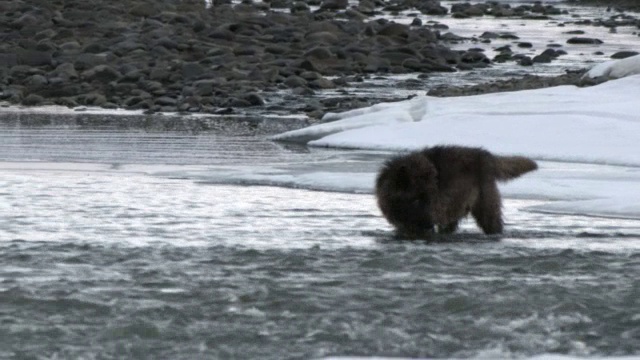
(125,244)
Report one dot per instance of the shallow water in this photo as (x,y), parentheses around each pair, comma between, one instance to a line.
(111,247)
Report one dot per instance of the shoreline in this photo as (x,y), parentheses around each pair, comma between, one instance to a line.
(256,59)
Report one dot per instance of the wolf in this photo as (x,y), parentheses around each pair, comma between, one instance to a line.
(433,189)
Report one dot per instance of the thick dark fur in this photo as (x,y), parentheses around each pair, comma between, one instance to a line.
(433,189)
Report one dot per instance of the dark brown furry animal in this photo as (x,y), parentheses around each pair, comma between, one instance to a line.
(438,186)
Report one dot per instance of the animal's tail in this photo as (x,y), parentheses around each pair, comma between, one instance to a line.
(510,167)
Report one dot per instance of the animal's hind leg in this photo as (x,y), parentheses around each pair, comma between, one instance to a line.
(487,210)
(448,228)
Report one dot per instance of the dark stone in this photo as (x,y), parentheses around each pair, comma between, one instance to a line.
(276,49)
(92,99)
(394,29)
(254,99)
(303,90)
(525,61)
(503,57)
(507,36)
(416,22)
(222,34)
(29,44)
(88,61)
(412,64)
(13,94)
(372,64)
(542,58)
(452,37)
(101,73)
(34,57)
(62,90)
(489,35)
(46,46)
(22,71)
(334,4)
(525,45)
(71,47)
(441,55)
(160,74)
(205,87)
(132,101)
(247,50)
(319,52)
(535,17)
(66,101)
(165,101)
(474,57)
(584,40)
(8,60)
(191,70)
(624,54)
(132,76)
(95,48)
(236,102)
(295,82)
(36,82)
(310,75)
(460,7)
(431,7)
(309,65)
(25,20)
(476,10)
(322,83)
(125,47)
(324,37)
(143,10)
(299,6)
(32,100)
(166,42)
(396,57)
(502,11)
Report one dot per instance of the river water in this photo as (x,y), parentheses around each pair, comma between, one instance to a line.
(124,242)
(113,246)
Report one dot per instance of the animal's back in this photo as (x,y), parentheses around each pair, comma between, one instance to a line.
(452,161)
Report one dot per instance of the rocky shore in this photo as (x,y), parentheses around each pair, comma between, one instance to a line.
(621,5)
(186,56)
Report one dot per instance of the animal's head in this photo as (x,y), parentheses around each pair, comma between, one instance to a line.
(406,188)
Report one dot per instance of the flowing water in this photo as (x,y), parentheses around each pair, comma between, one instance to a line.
(125,244)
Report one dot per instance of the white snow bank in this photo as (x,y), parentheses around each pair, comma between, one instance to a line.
(615,69)
(597,125)
(379,114)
